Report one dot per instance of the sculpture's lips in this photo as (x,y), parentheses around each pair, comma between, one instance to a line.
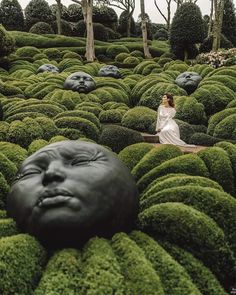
(54,197)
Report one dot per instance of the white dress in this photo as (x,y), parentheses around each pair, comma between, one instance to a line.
(169,133)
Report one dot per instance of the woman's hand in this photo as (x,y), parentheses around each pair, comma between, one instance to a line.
(158,130)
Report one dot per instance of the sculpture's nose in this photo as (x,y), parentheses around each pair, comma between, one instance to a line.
(81,80)
(54,173)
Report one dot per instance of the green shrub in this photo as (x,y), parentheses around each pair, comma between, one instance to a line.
(4,189)
(4,126)
(36,145)
(93,108)
(121,57)
(226,128)
(174,278)
(62,274)
(24,132)
(27,51)
(140,276)
(7,168)
(70,133)
(141,66)
(67,98)
(13,152)
(150,97)
(132,154)
(9,90)
(154,158)
(218,205)
(81,114)
(189,164)
(232,104)
(113,50)
(39,90)
(201,276)
(52,53)
(140,118)
(110,116)
(7,42)
(21,262)
(101,270)
(66,28)
(200,138)
(7,228)
(217,118)
(48,126)
(117,137)
(137,53)
(131,60)
(176,180)
(189,110)
(219,167)
(3,214)
(41,28)
(57,138)
(21,116)
(86,127)
(195,232)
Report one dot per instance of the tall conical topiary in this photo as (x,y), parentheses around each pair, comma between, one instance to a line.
(7,42)
(229,22)
(11,15)
(187,29)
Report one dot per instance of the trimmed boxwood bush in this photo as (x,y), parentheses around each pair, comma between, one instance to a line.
(189,164)
(7,228)
(117,137)
(41,28)
(188,109)
(81,114)
(121,56)
(131,60)
(86,127)
(4,126)
(36,145)
(140,118)
(219,166)
(174,278)
(3,214)
(151,98)
(21,116)
(195,232)
(110,116)
(113,50)
(154,158)
(62,274)
(217,118)
(217,204)
(200,138)
(24,132)
(9,90)
(48,126)
(7,168)
(70,133)
(27,51)
(52,53)
(141,66)
(132,154)
(4,188)
(176,180)
(201,276)
(101,270)
(226,129)
(13,152)
(140,276)
(21,262)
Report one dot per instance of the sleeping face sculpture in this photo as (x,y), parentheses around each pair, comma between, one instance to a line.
(47,68)
(80,82)
(188,81)
(70,191)
(109,71)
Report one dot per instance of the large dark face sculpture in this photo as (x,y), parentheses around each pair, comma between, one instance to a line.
(109,71)
(47,68)
(80,82)
(188,81)
(70,191)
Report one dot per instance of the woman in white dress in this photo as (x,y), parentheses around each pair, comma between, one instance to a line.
(166,127)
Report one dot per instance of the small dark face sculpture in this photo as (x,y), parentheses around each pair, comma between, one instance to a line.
(188,81)
(109,71)
(47,68)
(80,82)
(70,191)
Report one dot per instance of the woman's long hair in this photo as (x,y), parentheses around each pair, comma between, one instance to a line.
(170,99)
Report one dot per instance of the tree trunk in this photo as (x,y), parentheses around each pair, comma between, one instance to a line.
(211,20)
(168,16)
(58,17)
(129,25)
(87,7)
(219,11)
(144,31)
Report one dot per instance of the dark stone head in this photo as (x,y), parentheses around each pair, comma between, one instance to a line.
(80,82)
(47,68)
(70,191)
(109,71)
(188,81)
